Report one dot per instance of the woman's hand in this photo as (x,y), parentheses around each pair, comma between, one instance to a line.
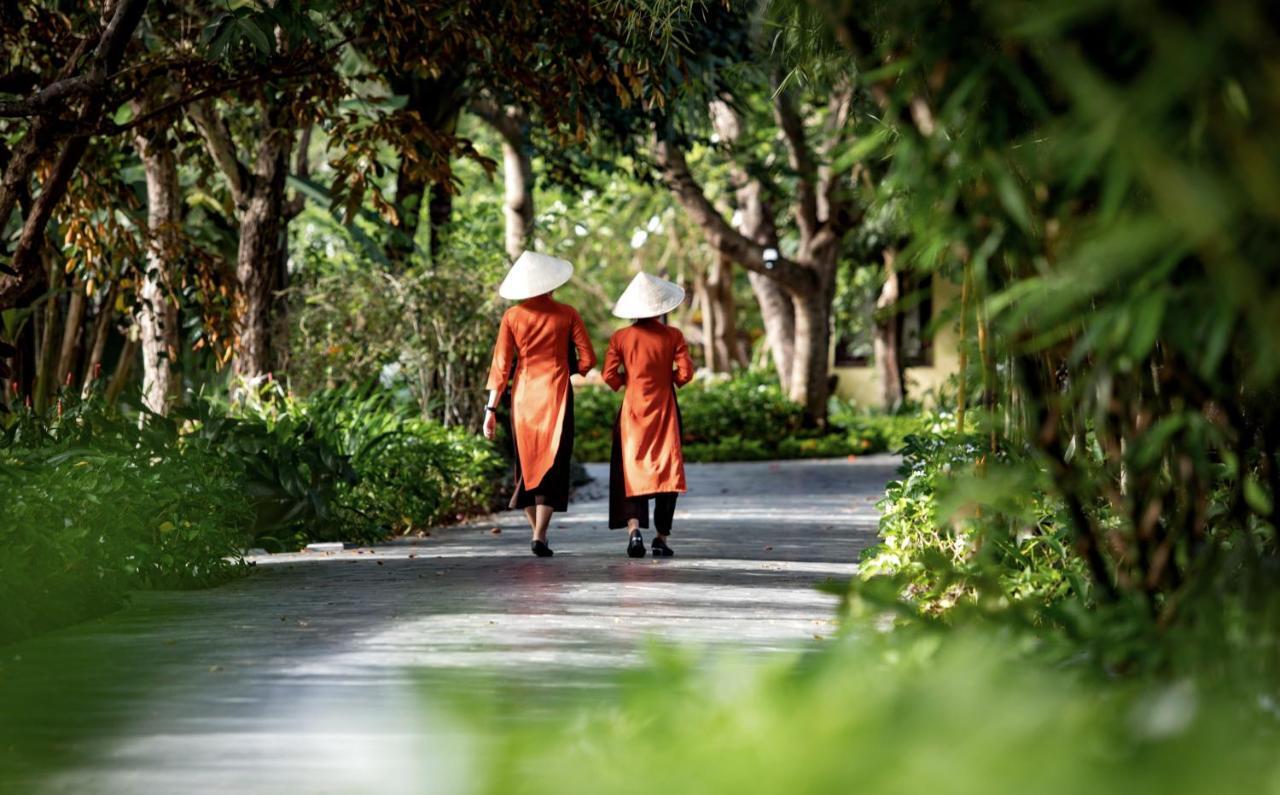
(490,424)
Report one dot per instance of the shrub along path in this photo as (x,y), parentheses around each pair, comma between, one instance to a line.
(334,672)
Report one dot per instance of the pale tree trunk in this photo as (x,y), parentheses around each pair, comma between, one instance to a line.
(777,312)
(721,347)
(517,176)
(822,215)
(517,171)
(157,315)
(810,376)
(887,340)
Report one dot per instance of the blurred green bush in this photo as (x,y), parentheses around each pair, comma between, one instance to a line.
(746,418)
(93,507)
(94,504)
(904,712)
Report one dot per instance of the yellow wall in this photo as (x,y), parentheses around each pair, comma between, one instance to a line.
(861,385)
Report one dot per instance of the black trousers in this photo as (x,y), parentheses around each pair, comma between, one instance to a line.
(623,508)
(664,508)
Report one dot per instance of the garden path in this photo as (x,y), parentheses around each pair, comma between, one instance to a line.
(340,672)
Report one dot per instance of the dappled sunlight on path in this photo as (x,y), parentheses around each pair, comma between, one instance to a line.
(320,669)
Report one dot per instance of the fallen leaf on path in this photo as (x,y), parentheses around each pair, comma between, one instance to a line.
(411,557)
(213,669)
(496,531)
(379,563)
(768,549)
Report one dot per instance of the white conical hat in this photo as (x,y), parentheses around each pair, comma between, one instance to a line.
(534,274)
(648,296)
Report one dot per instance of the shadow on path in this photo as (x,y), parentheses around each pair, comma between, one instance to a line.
(301,676)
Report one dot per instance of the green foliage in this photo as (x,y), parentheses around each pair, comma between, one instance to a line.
(948,537)
(744,418)
(426,329)
(94,507)
(1091,173)
(410,472)
(903,712)
(95,504)
(350,464)
(878,431)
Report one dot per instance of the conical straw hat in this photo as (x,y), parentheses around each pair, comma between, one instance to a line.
(648,296)
(534,274)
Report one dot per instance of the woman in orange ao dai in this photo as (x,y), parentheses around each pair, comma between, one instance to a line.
(540,342)
(651,360)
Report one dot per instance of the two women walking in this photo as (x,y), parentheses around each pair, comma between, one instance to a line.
(540,343)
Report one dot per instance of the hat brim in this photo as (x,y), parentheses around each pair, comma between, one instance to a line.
(549,274)
(634,311)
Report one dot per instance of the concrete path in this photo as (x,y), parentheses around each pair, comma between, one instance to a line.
(345,672)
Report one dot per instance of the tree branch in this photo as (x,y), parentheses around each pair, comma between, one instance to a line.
(839,108)
(788,118)
(504,121)
(106,56)
(722,237)
(217,140)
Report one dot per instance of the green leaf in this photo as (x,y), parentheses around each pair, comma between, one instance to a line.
(251,31)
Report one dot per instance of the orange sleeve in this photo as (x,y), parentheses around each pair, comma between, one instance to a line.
(582,341)
(612,362)
(503,356)
(684,364)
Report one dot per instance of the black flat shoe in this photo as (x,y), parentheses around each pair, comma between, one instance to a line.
(660,548)
(635,546)
(541,549)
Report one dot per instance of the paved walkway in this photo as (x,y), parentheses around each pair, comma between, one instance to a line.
(332,672)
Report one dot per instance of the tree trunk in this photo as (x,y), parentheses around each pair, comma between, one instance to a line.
(93,64)
(260,260)
(124,366)
(439,214)
(101,331)
(757,224)
(887,343)
(812,348)
(71,335)
(410,189)
(517,171)
(158,312)
(438,101)
(778,315)
(257,263)
(722,350)
(47,360)
(517,176)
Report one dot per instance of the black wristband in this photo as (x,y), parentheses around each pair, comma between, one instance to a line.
(491,408)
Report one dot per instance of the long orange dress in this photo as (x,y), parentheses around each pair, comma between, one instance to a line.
(650,358)
(535,336)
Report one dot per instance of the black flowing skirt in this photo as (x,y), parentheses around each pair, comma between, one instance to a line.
(622,507)
(554,488)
